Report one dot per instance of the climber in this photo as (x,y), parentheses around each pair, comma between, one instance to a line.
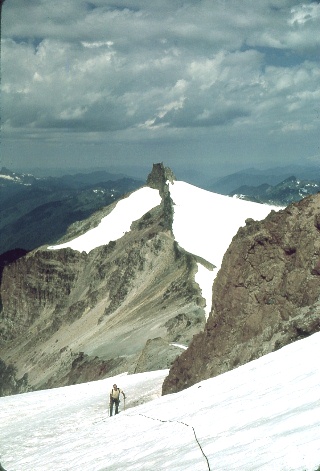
(115,398)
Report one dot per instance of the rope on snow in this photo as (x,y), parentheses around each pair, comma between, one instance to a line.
(187,425)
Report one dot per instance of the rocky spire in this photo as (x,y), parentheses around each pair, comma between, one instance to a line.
(158,179)
(159,176)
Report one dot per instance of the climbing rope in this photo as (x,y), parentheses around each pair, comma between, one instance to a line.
(187,425)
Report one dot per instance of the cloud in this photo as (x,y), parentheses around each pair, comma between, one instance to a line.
(305,13)
(158,68)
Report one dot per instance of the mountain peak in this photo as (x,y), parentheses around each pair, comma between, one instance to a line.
(159,176)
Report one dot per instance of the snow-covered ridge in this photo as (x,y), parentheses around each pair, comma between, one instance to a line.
(264,416)
(204,224)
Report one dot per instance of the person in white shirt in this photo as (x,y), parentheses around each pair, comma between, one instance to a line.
(115,398)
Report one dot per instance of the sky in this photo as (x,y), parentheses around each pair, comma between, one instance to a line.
(205,86)
(261,416)
(204,224)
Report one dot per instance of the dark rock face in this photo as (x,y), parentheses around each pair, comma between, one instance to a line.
(159,176)
(265,296)
(37,283)
(9,384)
(84,368)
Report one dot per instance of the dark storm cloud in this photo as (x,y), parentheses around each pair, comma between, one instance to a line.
(153,70)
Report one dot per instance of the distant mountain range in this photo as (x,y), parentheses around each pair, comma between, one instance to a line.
(253,183)
(282,194)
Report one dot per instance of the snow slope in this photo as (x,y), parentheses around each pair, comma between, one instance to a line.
(262,416)
(117,223)
(204,224)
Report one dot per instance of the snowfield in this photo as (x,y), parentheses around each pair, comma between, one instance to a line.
(204,224)
(262,416)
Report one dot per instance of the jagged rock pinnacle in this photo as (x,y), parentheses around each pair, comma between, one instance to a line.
(158,179)
(159,176)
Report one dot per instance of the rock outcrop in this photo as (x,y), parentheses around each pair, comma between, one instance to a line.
(9,384)
(70,316)
(156,355)
(265,296)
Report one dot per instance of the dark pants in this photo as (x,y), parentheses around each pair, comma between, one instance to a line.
(116,403)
